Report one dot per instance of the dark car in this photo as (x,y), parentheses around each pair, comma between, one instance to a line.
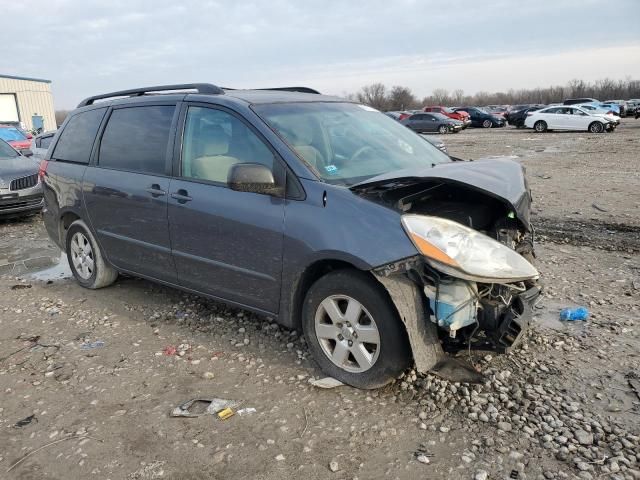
(576,101)
(322,213)
(432,122)
(20,187)
(481,118)
(518,114)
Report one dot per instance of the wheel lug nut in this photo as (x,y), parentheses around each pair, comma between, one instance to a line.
(350,343)
(340,337)
(355,335)
(339,325)
(348,324)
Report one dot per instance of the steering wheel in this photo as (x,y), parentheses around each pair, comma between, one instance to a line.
(359,152)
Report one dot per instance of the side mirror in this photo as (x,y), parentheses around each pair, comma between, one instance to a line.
(29,136)
(252,177)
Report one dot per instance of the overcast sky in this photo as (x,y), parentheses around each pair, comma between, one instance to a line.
(88,46)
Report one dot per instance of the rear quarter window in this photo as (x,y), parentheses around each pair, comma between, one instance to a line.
(76,140)
(136,139)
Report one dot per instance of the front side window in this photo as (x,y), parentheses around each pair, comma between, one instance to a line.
(348,143)
(136,139)
(45,141)
(214,141)
(76,140)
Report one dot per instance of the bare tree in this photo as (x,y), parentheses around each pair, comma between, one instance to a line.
(374,95)
(440,96)
(604,89)
(458,96)
(401,98)
(60,116)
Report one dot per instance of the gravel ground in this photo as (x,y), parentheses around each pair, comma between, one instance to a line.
(88,382)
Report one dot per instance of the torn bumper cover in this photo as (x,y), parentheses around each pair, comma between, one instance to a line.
(459,315)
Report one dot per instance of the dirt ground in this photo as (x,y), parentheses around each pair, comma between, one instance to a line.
(87,383)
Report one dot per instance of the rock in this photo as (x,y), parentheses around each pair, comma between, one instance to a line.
(444,429)
(333,466)
(423,459)
(481,475)
(483,417)
(208,375)
(584,438)
(279,458)
(504,426)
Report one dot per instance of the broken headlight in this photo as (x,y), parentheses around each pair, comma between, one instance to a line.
(465,253)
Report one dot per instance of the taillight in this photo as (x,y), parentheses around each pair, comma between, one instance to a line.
(43,169)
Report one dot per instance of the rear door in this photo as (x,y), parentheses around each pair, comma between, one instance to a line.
(126,188)
(225,243)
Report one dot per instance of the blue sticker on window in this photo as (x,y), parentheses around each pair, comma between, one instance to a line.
(331,169)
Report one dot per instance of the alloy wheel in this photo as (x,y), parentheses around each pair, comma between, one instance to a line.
(347,333)
(82,255)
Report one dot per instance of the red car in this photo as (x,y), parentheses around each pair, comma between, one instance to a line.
(15,137)
(461,116)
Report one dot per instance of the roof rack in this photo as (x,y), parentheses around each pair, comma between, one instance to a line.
(205,88)
(293,89)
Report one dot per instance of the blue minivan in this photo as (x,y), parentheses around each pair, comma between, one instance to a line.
(323,213)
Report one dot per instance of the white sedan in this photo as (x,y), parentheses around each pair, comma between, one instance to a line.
(600,112)
(567,118)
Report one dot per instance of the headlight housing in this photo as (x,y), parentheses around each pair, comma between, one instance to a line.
(465,253)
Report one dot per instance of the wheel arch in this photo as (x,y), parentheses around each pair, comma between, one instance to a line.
(308,277)
(66,219)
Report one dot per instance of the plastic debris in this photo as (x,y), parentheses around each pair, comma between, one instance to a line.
(92,345)
(25,421)
(196,407)
(246,411)
(326,382)
(169,350)
(579,314)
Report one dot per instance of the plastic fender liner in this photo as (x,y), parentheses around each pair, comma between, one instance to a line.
(423,335)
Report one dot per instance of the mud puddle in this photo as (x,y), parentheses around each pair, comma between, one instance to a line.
(59,271)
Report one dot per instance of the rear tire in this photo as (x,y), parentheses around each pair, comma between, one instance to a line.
(487,124)
(85,258)
(540,126)
(596,127)
(341,304)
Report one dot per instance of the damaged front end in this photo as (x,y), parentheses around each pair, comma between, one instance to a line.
(470,224)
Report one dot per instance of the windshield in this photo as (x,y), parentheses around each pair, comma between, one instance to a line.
(11,134)
(6,151)
(348,143)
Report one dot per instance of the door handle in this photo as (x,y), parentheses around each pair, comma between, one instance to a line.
(182,196)
(155,191)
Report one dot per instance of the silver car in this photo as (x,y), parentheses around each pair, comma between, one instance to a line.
(20,186)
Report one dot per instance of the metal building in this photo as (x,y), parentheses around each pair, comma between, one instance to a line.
(27,102)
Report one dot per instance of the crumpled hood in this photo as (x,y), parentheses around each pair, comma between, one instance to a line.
(500,178)
(11,168)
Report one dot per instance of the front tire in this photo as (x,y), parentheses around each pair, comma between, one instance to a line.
(596,127)
(442,129)
(540,126)
(353,330)
(85,258)
(487,124)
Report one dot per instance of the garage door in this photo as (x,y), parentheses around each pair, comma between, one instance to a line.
(8,108)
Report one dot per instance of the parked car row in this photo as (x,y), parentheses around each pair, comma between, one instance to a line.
(20,185)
